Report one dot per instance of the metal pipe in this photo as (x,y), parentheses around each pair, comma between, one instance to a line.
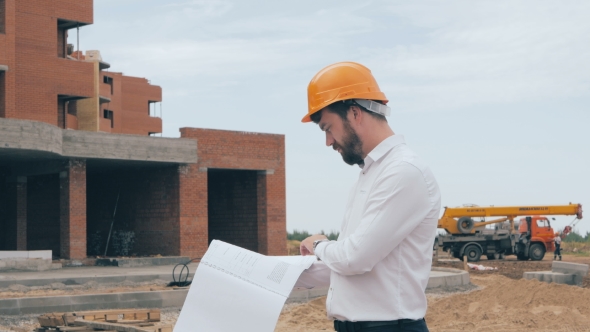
(112,222)
(78,39)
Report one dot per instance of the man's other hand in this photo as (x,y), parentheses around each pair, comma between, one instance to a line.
(306,246)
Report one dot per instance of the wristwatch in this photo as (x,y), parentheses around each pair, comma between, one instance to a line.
(316,242)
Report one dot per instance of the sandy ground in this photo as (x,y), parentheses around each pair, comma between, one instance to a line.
(502,301)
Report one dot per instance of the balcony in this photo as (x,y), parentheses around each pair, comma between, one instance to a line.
(104,92)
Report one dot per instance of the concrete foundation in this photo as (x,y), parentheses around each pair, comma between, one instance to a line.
(142,261)
(561,273)
(439,278)
(550,276)
(571,268)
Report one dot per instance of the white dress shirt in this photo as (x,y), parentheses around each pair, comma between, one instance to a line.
(380,264)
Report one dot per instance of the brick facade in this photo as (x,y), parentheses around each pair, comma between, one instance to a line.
(33,45)
(229,150)
(51,199)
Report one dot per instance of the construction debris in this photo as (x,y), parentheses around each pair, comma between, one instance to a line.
(137,320)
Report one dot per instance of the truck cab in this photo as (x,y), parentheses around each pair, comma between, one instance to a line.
(541,232)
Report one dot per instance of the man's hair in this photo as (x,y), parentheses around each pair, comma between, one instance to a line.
(341,108)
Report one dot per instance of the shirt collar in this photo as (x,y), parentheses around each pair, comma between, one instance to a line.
(383,148)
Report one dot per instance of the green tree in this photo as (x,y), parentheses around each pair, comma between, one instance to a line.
(301,235)
(574,236)
(297,235)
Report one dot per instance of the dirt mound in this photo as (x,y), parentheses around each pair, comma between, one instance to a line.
(502,304)
(512,305)
(305,317)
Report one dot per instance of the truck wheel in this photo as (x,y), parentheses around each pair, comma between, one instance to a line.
(491,257)
(465,225)
(472,252)
(537,252)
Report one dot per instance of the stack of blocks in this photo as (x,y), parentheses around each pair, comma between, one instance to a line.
(34,260)
(561,273)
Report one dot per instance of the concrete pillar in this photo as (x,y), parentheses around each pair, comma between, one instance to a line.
(72,207)
(17,213)
(194,231)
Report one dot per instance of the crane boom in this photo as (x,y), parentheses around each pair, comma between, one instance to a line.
(466,225)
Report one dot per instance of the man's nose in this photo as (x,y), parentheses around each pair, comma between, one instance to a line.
(329,139)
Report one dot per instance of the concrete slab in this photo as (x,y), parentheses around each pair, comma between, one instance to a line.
(570,268)
(555,277)
(38,305)
(14,254)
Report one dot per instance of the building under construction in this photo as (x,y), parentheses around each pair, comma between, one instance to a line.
(79,161)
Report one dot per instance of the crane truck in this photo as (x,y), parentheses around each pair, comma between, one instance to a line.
(533,237)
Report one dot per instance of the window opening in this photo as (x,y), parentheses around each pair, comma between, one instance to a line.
(2,16)
(72,107)
(109,115)
(108,80)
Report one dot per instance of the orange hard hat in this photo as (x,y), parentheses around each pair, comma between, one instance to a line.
(341,81)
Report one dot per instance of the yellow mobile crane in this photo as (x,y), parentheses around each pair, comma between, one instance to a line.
(466,237)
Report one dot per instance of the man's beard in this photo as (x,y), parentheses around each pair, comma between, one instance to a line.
(351,146)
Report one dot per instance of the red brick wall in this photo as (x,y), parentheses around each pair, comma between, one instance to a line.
(193,211)
(232,207)
(7,47)
(43,213)
(129,103)
(72,209)
(219,149)
(147,209)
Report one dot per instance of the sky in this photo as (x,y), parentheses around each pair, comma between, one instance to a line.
(493,95)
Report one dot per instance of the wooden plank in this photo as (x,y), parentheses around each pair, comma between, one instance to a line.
(113,326)
(73,328)
(114,312)
(141,315)
(111,317)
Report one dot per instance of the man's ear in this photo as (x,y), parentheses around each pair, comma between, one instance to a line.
(356,113)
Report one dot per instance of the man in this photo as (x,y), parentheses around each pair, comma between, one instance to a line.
(557,251)
(380,264)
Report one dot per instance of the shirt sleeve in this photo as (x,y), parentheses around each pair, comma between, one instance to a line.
(397,204)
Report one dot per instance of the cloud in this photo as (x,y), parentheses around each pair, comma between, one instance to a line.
(480,52)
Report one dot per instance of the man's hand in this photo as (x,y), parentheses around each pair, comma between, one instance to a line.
(306,246)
